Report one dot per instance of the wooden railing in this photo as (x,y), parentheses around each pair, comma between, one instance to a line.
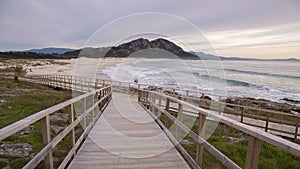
(157,102)
(268,118)
(99,99)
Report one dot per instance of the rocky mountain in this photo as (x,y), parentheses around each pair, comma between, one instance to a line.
(138,45)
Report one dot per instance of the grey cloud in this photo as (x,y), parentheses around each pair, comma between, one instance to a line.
(40,23)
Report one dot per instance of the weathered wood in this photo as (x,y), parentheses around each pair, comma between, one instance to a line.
(212,150)
(296,130)
(176,143)
(242,114)
(267,122)
(253,151)
(167,109)
(46,140)
(201,133)
(93,155)
(179,115)
(71,120)
(269,138)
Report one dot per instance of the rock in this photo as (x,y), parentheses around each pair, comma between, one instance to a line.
(59,117)
(7,167)
(26,131)
(78,132)
(296,109)
(18,150)
(186,142)
(2,102)
(291,100)
(56,129)
(4,160)
(261,103)
(205,97)
(232,139)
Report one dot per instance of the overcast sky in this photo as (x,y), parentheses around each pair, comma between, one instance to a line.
(241,28)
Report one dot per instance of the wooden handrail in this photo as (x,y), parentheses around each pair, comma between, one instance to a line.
(276,117)
(148,99)
(46,152)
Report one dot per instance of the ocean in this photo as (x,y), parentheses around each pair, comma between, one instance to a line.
(271,80)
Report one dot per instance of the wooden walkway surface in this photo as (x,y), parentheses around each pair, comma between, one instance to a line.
(126,136)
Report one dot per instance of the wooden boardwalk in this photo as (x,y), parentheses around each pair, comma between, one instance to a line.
(126,136)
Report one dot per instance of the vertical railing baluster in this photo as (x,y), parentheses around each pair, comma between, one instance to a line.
(71,120)
(46,140)
(179,116)
(201,133)
(84,110)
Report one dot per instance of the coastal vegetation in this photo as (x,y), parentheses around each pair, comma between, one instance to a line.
(19,99)
(233,144)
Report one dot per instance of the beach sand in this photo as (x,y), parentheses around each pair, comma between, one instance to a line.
(74,67)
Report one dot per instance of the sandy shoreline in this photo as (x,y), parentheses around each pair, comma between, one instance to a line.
(61,66)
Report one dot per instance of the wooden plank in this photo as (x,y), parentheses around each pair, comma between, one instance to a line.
(131,152)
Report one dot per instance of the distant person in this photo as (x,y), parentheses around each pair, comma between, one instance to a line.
(30,70)
(136,81)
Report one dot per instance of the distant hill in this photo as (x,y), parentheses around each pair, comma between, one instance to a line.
(50,50)
(154,48)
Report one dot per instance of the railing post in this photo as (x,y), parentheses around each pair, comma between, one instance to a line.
(201,103)
(71,120)
(93,112)
(65,82)
(220,105)
(47,139)
(267,122)
(296,129)
(201,133)
(253,151)
(84,117)
(167,109)
(96,84)
(139,95)
(159,101)
(180,109)
(242,114)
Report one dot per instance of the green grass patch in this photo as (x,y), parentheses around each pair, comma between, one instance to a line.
(22,99)
(270,157)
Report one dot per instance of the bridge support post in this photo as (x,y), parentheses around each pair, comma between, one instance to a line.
(253,151)
(201,133)
(46,140)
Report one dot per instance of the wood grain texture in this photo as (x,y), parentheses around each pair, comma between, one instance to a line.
(126,136)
